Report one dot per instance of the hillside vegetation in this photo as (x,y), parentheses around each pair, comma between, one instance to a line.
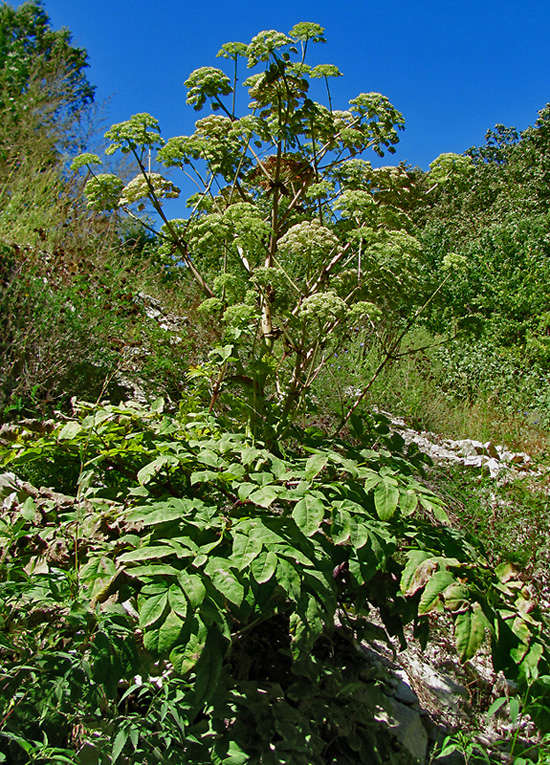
(205,508)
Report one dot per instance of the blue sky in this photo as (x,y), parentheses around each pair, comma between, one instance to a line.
(453,68)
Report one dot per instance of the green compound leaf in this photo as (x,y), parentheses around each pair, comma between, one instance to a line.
(408,501)
(209,666)
(224,580)
(177,600)
(263,567)
(437,584)
(185,656)
(308,514)
(245,549)
(314,465)
(470,629)
(161,640)
(152,609)
(386,497)
(193,587)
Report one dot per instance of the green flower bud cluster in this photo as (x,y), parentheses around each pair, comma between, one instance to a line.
(455,262)
(451,168)
(241,315)
(140,187)
(132,133)
(323,308)
(85,160)
(307,238)
(229,287)
(206,82)
(103,192)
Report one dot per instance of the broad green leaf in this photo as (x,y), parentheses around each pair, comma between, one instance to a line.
(434,507)
(314,465)
(386,497)
(521,630)
(263,567)
(420,566)
(177,601)
(341,526)
(151,609)
(224,580)
(209,666)
(289,579)
(193,587)
(210,458)
(408,501)
(470,629)
(245,490)
(495,706)
(154,467)
(69,431)
(359,533)
(245,549)
(249,454)
(118,744)
(514,710)
(235,755)
(529,665)
(162,512)
(204,476)
(306,625)
(308,514)
(265,496)
(278,467)
(431,597)
(28,509)
(161,640)
(162,569)
(185,656)
(146,553)
(457,597)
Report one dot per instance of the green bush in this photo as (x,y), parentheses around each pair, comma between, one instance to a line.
(181,596)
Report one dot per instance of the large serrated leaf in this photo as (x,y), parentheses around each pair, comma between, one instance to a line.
(204,476)
(193,587)
(431,597)
(209,666)
(210,458)
(162,569)
(470,629)
(289,579)
(224,580)
(154,467)
(263,567)
(457,597)
(177,600)
(146,553)
(408,501)
(162,512)
(433,506)
(245,549)
(308,514)
(341,526)
(265,496)
(152,609)
(386,497)
(185,656)
(314,465)
(161,640)
(411,581)
(69,431)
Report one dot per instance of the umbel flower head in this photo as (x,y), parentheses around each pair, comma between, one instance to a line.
(140,187)
(323,307)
